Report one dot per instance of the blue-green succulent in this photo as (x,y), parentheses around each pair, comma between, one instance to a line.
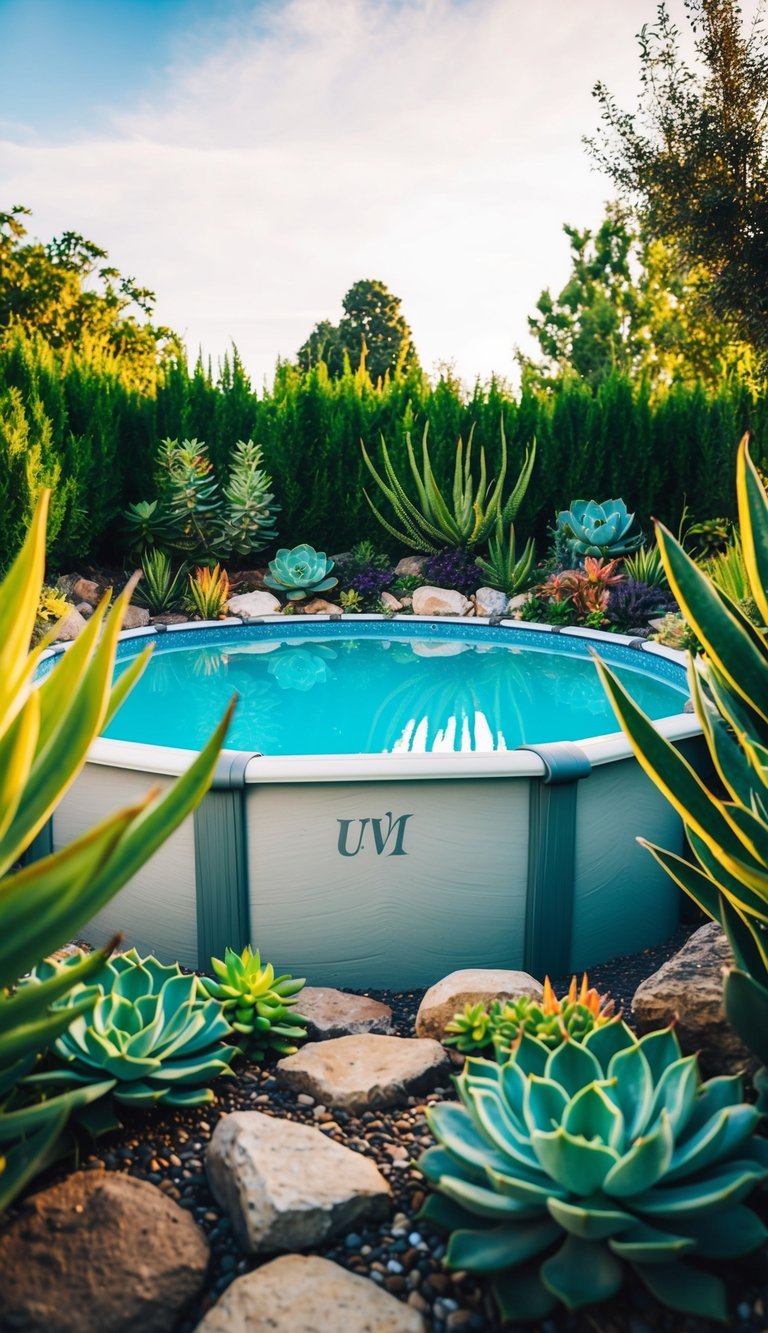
(300,571)
(562,1169)
(150,1029)
(598,529)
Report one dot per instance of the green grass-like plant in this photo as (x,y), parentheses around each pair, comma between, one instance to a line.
(502,568)
(726,821)
(160,589)
(563,1169)
(468,518)
(45,734)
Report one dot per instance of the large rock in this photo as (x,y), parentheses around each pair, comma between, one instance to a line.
(412,565)
(429,601)
(491,602)
(251,605)
(336,1013)
(85,590)
(362,1072)
(688,989)
(99,1253)
(307,1294)
(69,626)
(135,617)
(287,1186)
(471,984)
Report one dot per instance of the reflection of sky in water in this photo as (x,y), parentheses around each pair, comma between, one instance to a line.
(377,696)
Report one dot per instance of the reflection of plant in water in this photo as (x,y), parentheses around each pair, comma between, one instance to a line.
(300,668)
(469,710)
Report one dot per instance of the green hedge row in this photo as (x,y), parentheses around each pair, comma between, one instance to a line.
(72,423)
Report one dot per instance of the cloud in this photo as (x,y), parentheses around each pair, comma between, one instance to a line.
(434,144)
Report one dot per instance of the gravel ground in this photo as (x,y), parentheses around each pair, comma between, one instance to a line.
(401,1255)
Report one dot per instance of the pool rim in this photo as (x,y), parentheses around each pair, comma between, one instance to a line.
(250,767)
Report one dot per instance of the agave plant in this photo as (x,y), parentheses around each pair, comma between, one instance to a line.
(549,1019)
(259,1004)
(208,592)
(645,565)
(563,1168)
(160,589)
(45,734)
(468,519)
(599,529)
(149,1031)
(300,571)
(503,569)
(728,837)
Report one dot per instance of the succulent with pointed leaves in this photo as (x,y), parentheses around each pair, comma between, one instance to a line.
(258,1004)
(149,1029)
(550,1019)
(300,571)
(599,529)
(563,1168)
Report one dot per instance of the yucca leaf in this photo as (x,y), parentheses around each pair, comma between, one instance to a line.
(753,526)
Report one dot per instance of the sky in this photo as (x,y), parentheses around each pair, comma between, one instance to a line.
(248,160)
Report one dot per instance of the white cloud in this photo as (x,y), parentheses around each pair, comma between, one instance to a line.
(434,144)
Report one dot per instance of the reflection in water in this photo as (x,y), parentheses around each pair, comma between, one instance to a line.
(376,696)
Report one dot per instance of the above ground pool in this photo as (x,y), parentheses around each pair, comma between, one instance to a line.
(399,797)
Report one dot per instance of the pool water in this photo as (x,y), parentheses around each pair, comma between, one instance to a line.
(383,688)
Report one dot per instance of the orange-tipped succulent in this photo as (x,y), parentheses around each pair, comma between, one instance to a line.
(551,1019)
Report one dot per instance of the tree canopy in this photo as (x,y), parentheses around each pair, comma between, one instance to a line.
(630,305)
(694,155)
(66,292)
(372,331)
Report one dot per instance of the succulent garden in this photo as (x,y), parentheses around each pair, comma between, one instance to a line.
(208,1141)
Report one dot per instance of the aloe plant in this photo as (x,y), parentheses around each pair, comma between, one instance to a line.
(46,731)
(259,1004)
(160,589)
(598,529)
(149,1031)
(727,835)
(563,1168)
(208,592)
(468,518)
(300,571)
(502,568)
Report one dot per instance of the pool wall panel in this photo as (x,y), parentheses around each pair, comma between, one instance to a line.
(155,910)
(346,901)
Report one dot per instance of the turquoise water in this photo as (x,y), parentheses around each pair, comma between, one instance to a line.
(382,688)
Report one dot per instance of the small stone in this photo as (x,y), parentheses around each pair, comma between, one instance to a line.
(430,601)
(69,626)
(85,590)
(334,1013)
(411,565)
(468,986)
(168,618)
(689,988)
(391,602)
(85,610)
(250,605)
(60,1256)
(304,1099)
(317,606)
(135,617)
(287,1186)
(307,1294)
(360,1072)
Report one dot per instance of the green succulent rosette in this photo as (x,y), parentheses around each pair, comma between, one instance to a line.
(299,571)
(149,1029)
(561,1170)
(599,529)
(259,1004)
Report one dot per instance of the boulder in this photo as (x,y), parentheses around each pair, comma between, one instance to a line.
(412,565)
(490,602)
(251,605)
(169,618)
(99,1253)
(336,1013)
(135,617)
(449,996)
(362,1072)
(306,1294)
(287,1186)
(69,626)
(429,601)
(85,590)
(688,989)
